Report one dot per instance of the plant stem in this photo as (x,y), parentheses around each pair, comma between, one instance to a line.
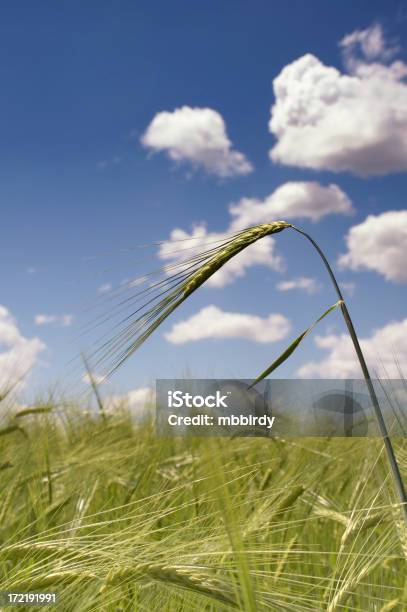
(94,387)
(378,412)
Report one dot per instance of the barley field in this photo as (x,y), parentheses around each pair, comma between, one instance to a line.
(100,510)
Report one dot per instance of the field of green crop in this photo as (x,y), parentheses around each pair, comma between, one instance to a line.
(112,517)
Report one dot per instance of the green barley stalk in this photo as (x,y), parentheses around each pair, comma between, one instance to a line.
(398,481)
(194,272)
(94,386)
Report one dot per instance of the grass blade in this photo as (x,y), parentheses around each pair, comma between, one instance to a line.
(290,349)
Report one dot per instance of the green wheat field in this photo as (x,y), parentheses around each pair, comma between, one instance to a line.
(98,509)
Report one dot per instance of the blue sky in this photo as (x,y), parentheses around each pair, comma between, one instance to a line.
(82,83)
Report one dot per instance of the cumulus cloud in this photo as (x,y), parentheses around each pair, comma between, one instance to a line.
(357,121)
(21,353)
(62,320)
(385,348)
(291,200)
(379,243)
(212,322)
(309,285)
(198,136)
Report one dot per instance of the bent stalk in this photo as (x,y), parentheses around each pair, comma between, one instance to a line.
(379,415)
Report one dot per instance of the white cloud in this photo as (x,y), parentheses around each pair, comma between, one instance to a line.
(21,353)
(366,45)
(382,350)
(198,136)
(309,285)
(62,320)
(291,200)
(379,243)
(357,122)
(212,322)
(138,401)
